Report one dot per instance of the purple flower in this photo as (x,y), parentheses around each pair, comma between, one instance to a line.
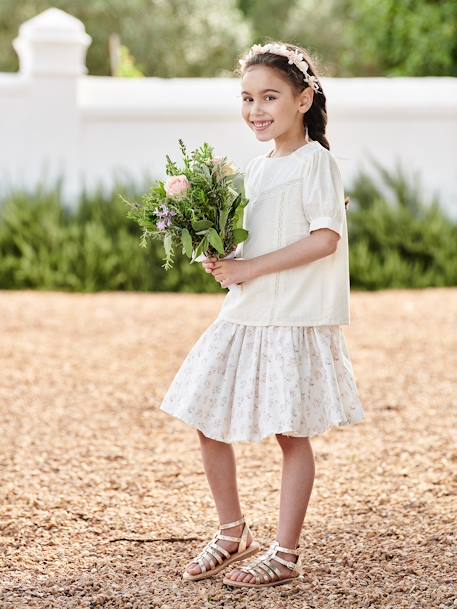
(165,215)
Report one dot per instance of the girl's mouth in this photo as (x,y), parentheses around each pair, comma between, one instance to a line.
(261,125)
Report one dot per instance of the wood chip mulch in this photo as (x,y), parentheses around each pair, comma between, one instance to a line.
(103,498)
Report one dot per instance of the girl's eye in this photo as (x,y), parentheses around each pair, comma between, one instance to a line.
(249,98)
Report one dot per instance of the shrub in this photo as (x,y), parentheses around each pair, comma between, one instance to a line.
(45,245)
(397,238)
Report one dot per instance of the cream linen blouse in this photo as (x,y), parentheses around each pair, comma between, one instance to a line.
(289,197)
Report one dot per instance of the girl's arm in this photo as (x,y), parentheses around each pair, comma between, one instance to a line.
(318,244)
(323,208)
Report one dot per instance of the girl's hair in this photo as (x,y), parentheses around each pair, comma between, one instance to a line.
(315,119)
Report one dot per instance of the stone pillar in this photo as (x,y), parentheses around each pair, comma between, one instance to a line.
(52,44)
(52,49)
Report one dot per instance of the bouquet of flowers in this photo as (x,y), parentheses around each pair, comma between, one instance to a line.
(197,208)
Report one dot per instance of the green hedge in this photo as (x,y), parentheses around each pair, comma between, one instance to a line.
(48,246)
(397,240)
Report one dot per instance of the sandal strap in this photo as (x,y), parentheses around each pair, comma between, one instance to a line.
(252,572)
(229,525)
(287,563)
(264,566)
(207,555)
(210,559)
(243,540)
(270,570)
(288,550)
(220,549)
(201,563)
(229,538)
(214,550)
(214,553)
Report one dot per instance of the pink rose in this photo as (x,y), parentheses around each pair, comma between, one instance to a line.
(177,186)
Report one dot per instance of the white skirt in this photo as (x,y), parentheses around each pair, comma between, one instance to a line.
(243,383)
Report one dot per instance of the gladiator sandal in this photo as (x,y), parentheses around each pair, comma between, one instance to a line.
(213,550)
(264,569)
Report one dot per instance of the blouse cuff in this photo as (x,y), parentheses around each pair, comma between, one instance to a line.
(327,222)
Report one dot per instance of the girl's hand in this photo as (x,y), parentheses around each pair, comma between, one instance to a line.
(229,271)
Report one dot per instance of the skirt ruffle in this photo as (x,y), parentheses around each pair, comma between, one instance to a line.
(243,383)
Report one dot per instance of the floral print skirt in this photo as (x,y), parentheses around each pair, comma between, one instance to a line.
(241,383)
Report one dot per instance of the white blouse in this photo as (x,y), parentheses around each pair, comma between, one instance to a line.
(289,197)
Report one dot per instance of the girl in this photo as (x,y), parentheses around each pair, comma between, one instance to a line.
(274,361)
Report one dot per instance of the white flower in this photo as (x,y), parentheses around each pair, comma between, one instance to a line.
(295,57)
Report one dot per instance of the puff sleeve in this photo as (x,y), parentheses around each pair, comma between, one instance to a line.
(323,193)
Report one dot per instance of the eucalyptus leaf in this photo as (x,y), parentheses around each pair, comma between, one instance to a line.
(240,235)
(223,215)
(186,242)
(167,244)
(201,224)
(201,247)
(215,240)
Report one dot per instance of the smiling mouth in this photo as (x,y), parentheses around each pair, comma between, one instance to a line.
(259,125)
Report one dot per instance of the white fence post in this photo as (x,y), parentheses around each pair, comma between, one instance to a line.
(52,48)
(52,44)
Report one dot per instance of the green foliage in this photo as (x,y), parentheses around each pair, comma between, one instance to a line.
(413,38)
(397,238)
(46,245)
(267,18)
(203,218)
(365,38)
(202,38)
(127,66)
(321,27)
(167,39)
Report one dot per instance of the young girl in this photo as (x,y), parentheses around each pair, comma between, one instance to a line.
(274,361)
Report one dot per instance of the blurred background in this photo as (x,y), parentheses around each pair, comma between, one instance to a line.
(94,94)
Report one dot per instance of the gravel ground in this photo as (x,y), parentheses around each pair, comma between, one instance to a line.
(104,499)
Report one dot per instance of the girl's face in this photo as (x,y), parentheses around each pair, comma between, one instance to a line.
(270,106)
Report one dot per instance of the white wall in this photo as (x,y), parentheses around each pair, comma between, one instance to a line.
(54,118)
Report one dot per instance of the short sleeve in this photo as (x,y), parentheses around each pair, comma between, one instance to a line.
(323,193)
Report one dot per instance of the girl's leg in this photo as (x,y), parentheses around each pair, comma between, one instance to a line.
(220,468)
(296,486)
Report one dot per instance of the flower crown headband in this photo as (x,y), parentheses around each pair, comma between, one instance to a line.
(294,57)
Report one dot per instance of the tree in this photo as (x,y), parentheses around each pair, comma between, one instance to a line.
(378,38)
(167,39)
(409,38)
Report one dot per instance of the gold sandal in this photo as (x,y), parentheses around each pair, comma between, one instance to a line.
(263,567)
(215,551)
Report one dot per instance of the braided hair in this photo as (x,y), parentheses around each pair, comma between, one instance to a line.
(315,119)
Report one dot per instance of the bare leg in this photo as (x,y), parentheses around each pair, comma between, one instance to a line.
(296,486)
(220,468)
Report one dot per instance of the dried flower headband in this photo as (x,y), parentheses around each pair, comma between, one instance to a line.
(294,57)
